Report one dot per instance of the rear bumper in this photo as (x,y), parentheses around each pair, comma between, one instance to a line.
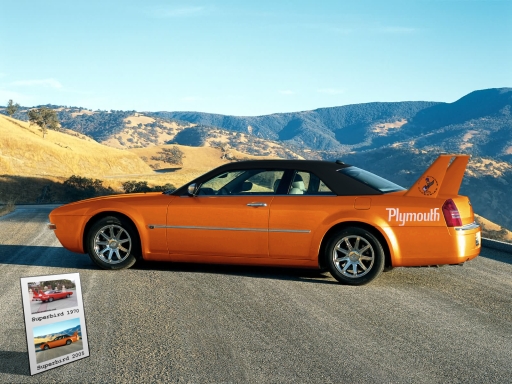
(469,241)
(424,246)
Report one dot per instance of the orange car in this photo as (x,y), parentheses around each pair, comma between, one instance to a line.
(290,213)
(59,341)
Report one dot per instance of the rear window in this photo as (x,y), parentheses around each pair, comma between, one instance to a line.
(374,181)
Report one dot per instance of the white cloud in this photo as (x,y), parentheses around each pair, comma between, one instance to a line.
(176,12)
(52,83)
(287,92)
(330,91)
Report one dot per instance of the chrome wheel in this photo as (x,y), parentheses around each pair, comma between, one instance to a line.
(112,244)
(353,256)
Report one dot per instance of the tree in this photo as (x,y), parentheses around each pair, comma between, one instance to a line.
(172,155)
(45,118)
(78,188)
(12,108)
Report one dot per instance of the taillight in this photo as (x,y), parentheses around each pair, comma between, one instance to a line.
(451,214)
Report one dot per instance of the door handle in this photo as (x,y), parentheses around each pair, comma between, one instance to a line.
(257,204)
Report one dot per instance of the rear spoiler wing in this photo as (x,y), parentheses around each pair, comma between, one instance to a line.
(443,177)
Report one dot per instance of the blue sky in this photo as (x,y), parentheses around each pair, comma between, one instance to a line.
(55,327)
(250,57)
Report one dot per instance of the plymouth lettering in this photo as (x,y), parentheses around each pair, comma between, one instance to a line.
(394,214)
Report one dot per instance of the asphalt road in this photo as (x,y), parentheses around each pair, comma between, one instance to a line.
(198,324)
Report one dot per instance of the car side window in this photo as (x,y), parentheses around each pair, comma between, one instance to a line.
(306,183)
(215,185)
(243,182)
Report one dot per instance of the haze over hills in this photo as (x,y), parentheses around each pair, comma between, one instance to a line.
(395,140)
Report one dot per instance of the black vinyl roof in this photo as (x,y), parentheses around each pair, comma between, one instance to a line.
(327,171)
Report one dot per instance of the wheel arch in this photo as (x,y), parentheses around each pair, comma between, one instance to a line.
(94,219)
(358,224)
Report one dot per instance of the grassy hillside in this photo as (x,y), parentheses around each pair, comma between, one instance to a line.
(23,151)
(492,230)
(196,161)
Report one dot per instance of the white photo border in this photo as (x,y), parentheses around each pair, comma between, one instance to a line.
(74,314)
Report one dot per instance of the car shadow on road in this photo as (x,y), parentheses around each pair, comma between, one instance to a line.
(14,363)
(496,255)
(272,273)
(43,257)
(62,258)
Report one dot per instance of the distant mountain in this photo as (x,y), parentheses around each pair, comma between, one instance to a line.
(69,331)
(325,129)
(479,124)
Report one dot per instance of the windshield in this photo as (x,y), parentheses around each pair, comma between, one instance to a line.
(374,181)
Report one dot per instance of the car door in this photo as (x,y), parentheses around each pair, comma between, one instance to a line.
(296,213)
(227,217)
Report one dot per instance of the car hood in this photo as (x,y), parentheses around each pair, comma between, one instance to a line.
(81,207)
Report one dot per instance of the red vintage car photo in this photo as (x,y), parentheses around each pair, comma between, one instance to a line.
(50,295)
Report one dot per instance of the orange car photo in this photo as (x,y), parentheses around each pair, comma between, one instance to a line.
(287,213)
(59,341)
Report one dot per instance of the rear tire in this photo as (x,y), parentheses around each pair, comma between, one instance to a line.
(354,256)
(113,243)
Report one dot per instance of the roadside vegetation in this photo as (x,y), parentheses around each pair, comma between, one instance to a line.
(7,208)
(38,190)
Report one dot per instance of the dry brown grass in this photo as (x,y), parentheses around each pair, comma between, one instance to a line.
(492,230)
(23,151)
(487,167)
(384,128)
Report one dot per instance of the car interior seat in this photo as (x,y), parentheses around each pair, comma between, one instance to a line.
(298,187)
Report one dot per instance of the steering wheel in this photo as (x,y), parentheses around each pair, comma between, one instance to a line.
(223,191)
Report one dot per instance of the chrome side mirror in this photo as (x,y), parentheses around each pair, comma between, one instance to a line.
(192,189)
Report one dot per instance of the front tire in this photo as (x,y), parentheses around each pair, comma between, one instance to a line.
(46,347)
(68,342)
(113,243)
(354,256)
(50,299)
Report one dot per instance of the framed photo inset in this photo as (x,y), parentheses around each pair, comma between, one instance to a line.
(54,320)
